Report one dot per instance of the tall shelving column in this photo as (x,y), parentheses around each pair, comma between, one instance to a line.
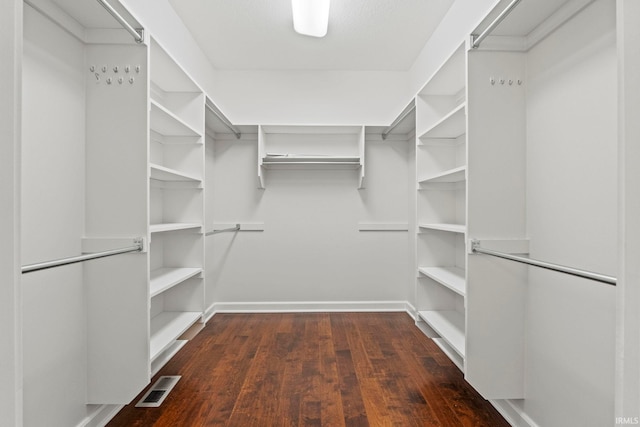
(176,205)
(441,170)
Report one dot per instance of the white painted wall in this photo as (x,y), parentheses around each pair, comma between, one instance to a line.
(11,288)
(572,220)
(628,290)
(52,223)
(311,249)
(308,97)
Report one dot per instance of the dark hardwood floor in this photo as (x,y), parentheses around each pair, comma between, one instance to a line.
(314,369)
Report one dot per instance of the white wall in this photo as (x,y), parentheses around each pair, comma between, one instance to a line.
(52,223)
(11,288)
(628,290)
(572,220)
(308,97)
(311,249)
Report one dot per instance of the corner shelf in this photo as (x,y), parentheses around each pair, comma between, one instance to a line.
(163,279)
(454,228)
(166,123)
(450,126)
(449,324)
(159,228)
(450,277)
(162,173)
(458,174)
(167,326)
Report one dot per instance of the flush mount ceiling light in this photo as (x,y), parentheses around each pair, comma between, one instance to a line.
(311,17)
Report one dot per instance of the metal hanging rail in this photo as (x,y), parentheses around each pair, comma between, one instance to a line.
(408,109)
(224,120)
(236,228)
(29,268)
(477,38)
(138,34)
(610,280)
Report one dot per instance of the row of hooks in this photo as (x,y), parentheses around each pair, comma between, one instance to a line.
(115,73)
(502,81)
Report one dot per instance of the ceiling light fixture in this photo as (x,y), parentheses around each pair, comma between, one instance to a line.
(310,17)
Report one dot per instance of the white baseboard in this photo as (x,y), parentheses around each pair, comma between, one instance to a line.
(514,415)
(305,307)
(101,416)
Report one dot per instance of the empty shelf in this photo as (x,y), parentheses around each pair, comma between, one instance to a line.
(453,175)
(158,228)
(166,123)
(167,326)
(450,277)
(450,126)
(166,278)
(454,228)
(162,173)
(449,325)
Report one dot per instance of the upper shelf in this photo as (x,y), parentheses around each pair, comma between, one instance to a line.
(166,123)
(167,74)
(450,126)
(452,175)
(450,78)
(162,173)
(295,162)
(528,23)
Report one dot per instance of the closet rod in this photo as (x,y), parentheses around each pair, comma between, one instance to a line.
(408,109)
(138,34)
(477,39)
(224,120)
(86,257)
(236,228)
(610,280)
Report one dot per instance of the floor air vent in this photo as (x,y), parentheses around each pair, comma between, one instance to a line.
(158,392)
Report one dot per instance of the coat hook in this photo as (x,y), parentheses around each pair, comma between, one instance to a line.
(492,80)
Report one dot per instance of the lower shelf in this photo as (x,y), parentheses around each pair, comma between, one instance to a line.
(167,326)
(449,324)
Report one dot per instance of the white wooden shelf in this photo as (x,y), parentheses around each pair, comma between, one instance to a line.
(311,162)
(454,228)
(452,175)
(450,277)
(449,324)
(174,226)
(167,326)
(163,279)
(162,173)
(166,123)
(450,126)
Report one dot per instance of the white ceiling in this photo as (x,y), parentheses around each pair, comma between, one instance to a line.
(376,35)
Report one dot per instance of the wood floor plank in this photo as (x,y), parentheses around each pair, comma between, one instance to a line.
(314,369)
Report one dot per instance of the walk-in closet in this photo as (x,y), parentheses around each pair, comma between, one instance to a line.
(414,213)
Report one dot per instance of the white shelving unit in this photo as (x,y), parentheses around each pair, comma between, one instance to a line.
(176,214)
(441,171)
(309,148)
